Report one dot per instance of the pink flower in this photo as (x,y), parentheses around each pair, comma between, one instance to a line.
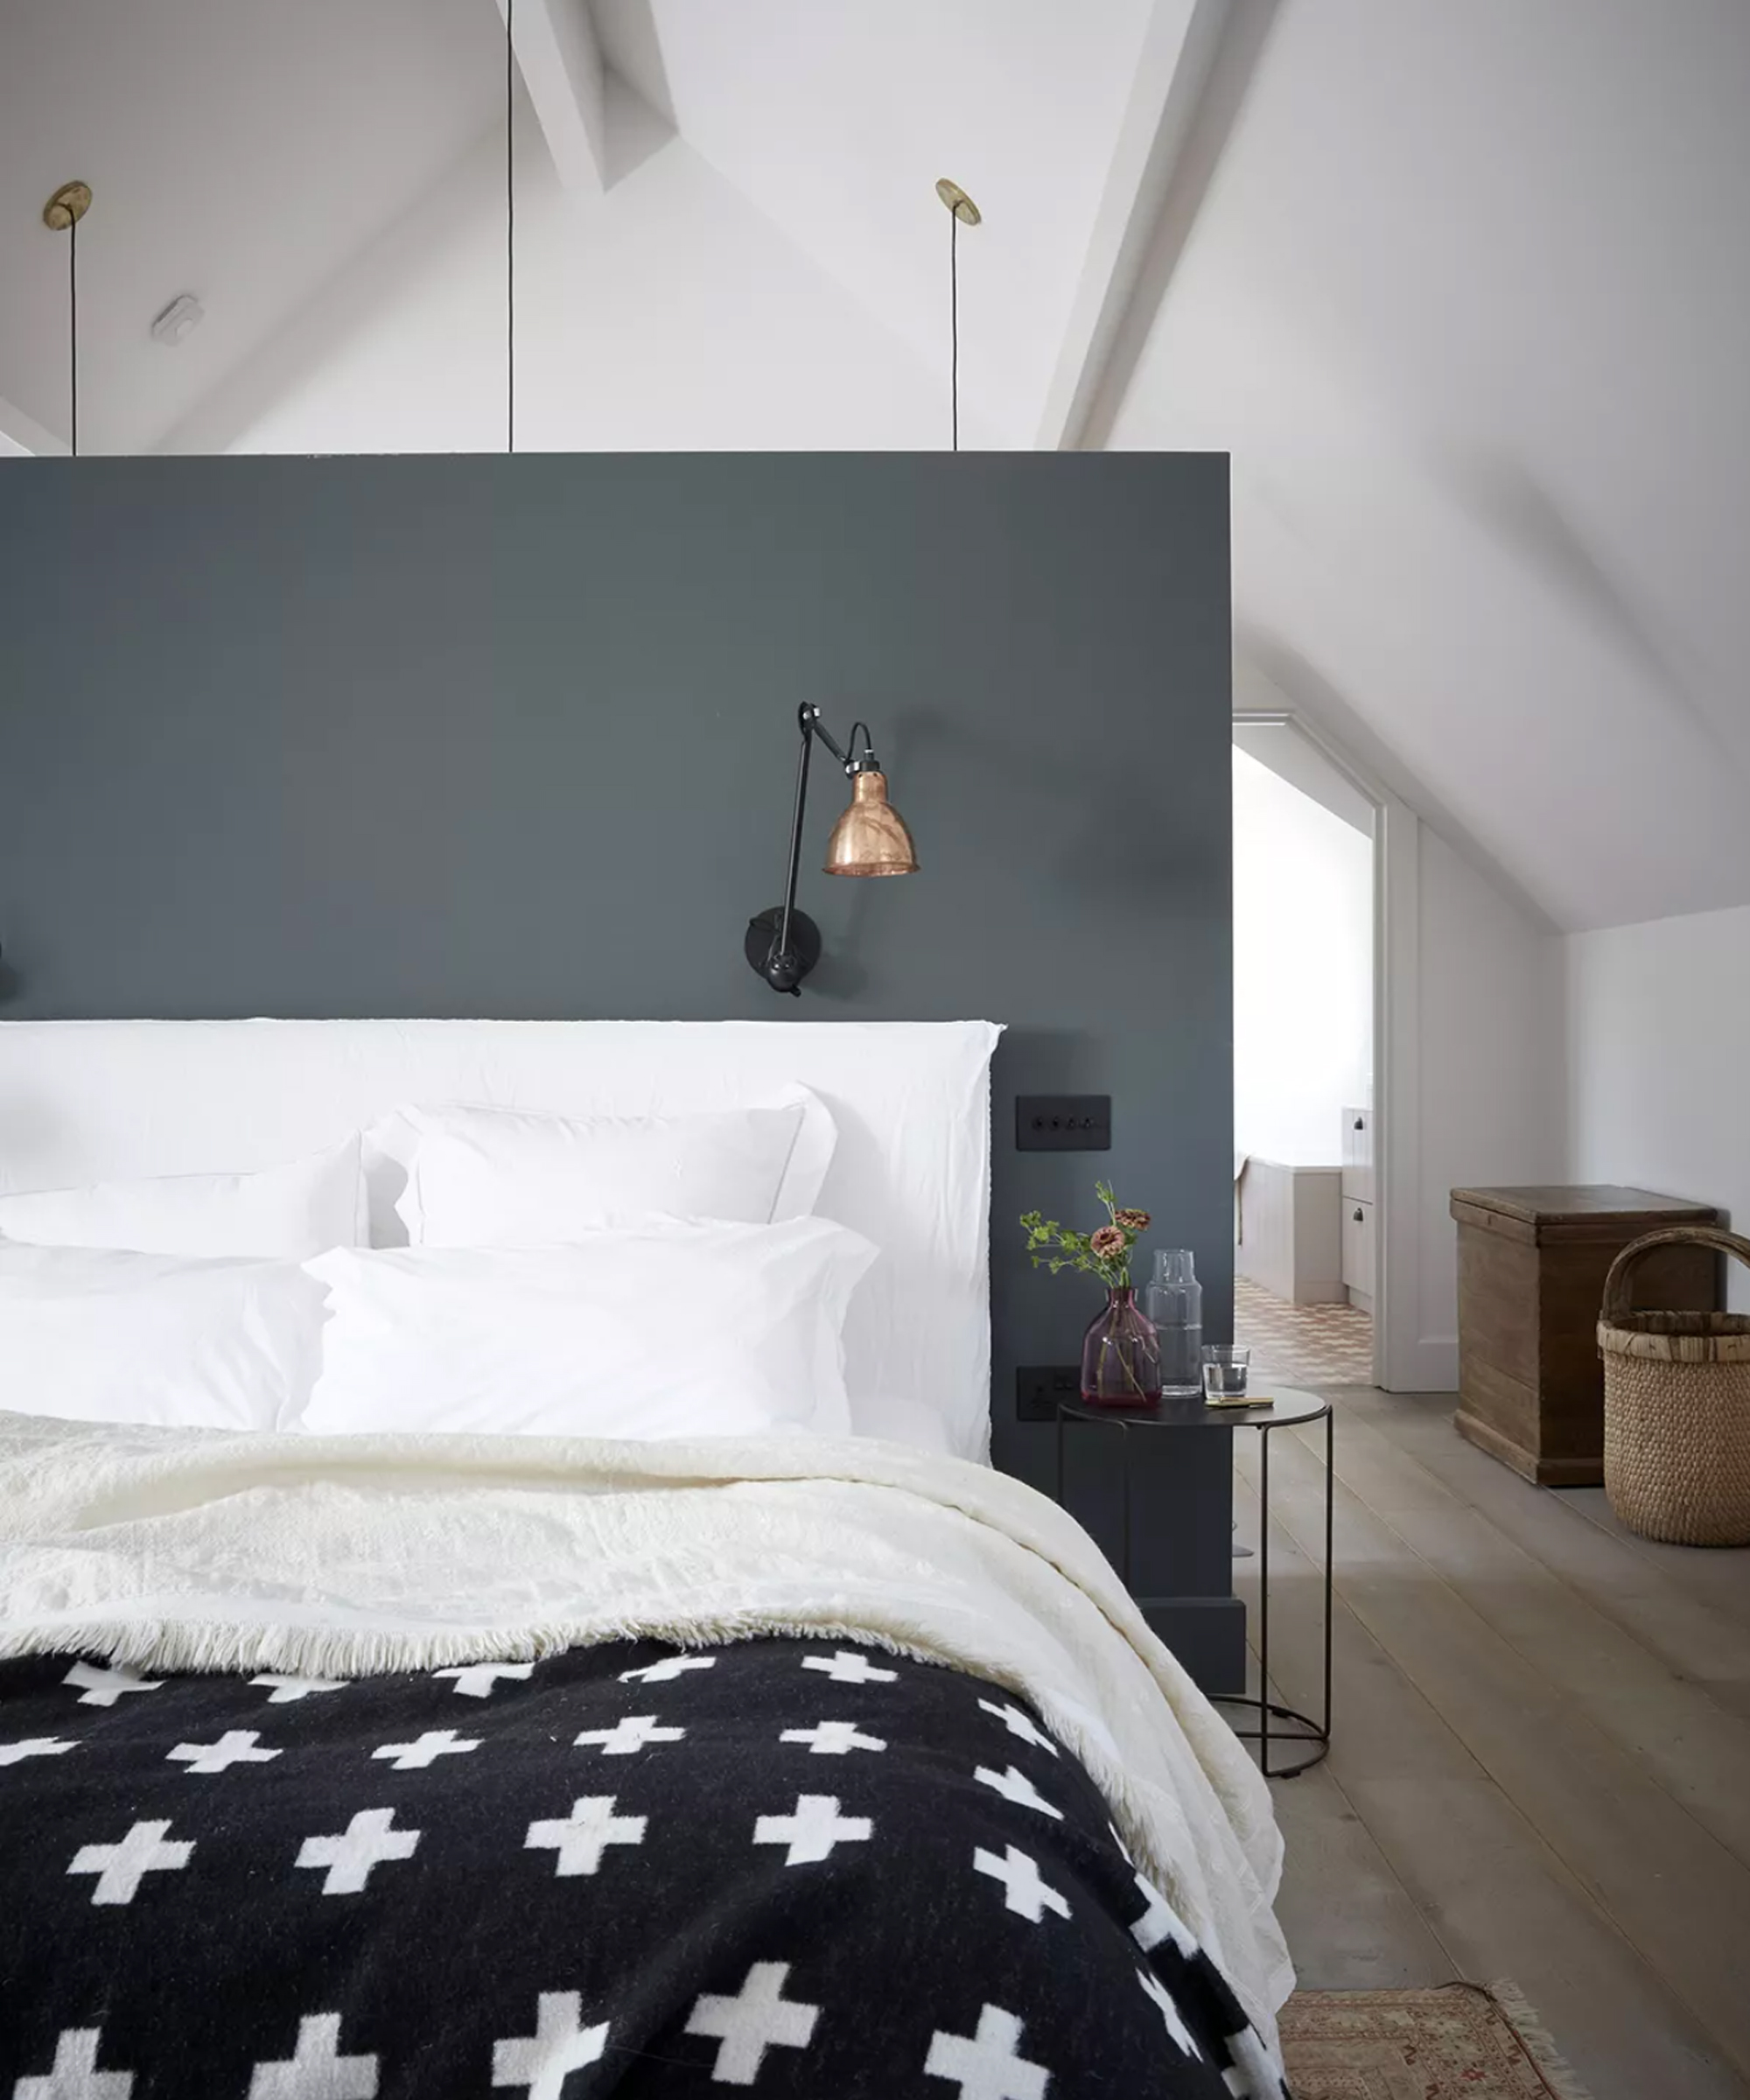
(1132,1220)
(1107,1244)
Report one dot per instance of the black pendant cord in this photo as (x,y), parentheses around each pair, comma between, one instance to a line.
(954,321)
(73,333)
(509,225)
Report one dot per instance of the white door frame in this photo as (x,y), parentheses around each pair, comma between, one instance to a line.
(1397,1058)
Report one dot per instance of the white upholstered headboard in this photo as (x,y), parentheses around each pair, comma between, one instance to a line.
(97,1101)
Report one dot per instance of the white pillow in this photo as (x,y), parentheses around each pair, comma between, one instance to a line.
(662,1329)
(103,1334)
(287,1212)
(484,1177)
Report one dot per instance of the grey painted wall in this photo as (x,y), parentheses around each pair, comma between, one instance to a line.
(485,737)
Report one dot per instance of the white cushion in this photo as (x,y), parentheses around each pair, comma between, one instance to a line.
(662,1329)
(103,1334)
(287,1212)
(486,1177)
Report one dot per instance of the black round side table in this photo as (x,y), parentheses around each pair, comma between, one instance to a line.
(1289,1409)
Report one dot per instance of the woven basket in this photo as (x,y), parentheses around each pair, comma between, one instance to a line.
(1677,1406)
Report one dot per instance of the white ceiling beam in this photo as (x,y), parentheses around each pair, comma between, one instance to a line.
(1196,59)
(1178,44)
(560,59)
(22,436)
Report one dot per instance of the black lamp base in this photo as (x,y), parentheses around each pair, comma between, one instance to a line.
(782,973)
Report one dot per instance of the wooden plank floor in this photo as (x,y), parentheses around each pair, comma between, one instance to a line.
(1542,1758)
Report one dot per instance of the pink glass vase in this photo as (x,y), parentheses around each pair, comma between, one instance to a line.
(1121,1355)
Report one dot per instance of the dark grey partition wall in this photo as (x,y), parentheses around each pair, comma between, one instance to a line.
(515,737)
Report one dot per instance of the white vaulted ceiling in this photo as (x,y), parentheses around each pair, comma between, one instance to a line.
(1468,300)
(249,151)
(1463,288)
(836,120)
(238,149)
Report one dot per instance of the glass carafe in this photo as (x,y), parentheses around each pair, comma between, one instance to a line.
(1173,1301)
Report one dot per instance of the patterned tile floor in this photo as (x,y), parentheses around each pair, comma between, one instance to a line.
(1303,1345)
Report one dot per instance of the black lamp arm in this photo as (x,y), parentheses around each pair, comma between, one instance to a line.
(860,758)
(809,716)
(807,724)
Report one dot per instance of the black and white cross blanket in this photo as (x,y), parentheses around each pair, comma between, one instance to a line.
(804,1868)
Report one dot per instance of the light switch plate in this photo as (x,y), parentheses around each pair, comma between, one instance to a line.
(1063,1123)
(1040,1387)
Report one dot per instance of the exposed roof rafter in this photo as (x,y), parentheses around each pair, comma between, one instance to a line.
(1196,59)
(562,69)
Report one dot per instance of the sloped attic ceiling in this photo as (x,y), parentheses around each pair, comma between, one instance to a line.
(1466,296)
(836,117)
(1469,301)
(256,153)
(238,150)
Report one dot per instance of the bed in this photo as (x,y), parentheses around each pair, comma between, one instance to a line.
(822,1760)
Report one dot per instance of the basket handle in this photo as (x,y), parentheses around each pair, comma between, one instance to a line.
(1616,1283)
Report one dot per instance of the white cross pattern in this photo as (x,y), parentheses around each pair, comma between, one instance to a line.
(832,1738)
(1169,2011)
(286,1688)
(1022,1890)
(75,2074)
(627,1736)
(988,2065)
(478,1680)
(845,1666)
(1017,1722)
(103,1686)
(560,2045)
(583,1836)
(434,1743)
(235,1746)
(367,1841)
(1159,1922)
(36,1745)
(317,2070)
(758,2018)
(120,1868)
(671,1666)
(1016,1787)
(813,1829)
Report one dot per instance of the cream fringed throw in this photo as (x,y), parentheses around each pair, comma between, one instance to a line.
(188,1550)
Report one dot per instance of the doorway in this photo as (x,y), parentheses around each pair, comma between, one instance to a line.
(1306,1210)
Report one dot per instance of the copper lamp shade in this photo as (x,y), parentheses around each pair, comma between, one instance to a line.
(871,838)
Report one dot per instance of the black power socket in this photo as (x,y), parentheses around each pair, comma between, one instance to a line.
(1063,1123)
(1040,1387)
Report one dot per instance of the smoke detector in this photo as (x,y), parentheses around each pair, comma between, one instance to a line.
(179,321)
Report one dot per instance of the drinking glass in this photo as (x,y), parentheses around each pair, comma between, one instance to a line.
(1226,1370)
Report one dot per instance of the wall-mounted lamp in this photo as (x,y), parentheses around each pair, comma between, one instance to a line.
(869,838)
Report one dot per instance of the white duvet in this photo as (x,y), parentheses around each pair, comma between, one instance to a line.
(347,1556)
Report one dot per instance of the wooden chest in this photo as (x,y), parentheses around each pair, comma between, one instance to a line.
(1531,1269)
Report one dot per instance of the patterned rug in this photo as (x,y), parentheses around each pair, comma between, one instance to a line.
(1302,1345)
(1457,2041)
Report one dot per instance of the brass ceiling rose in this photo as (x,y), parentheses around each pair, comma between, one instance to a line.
(67,206)
(958,202)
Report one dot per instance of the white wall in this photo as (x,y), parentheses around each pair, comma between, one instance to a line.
(1658,1043)
(1487,1088)
(667,314)
(1303,970)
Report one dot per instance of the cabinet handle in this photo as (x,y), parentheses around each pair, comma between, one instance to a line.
(1361,1217)
(1361,1122)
